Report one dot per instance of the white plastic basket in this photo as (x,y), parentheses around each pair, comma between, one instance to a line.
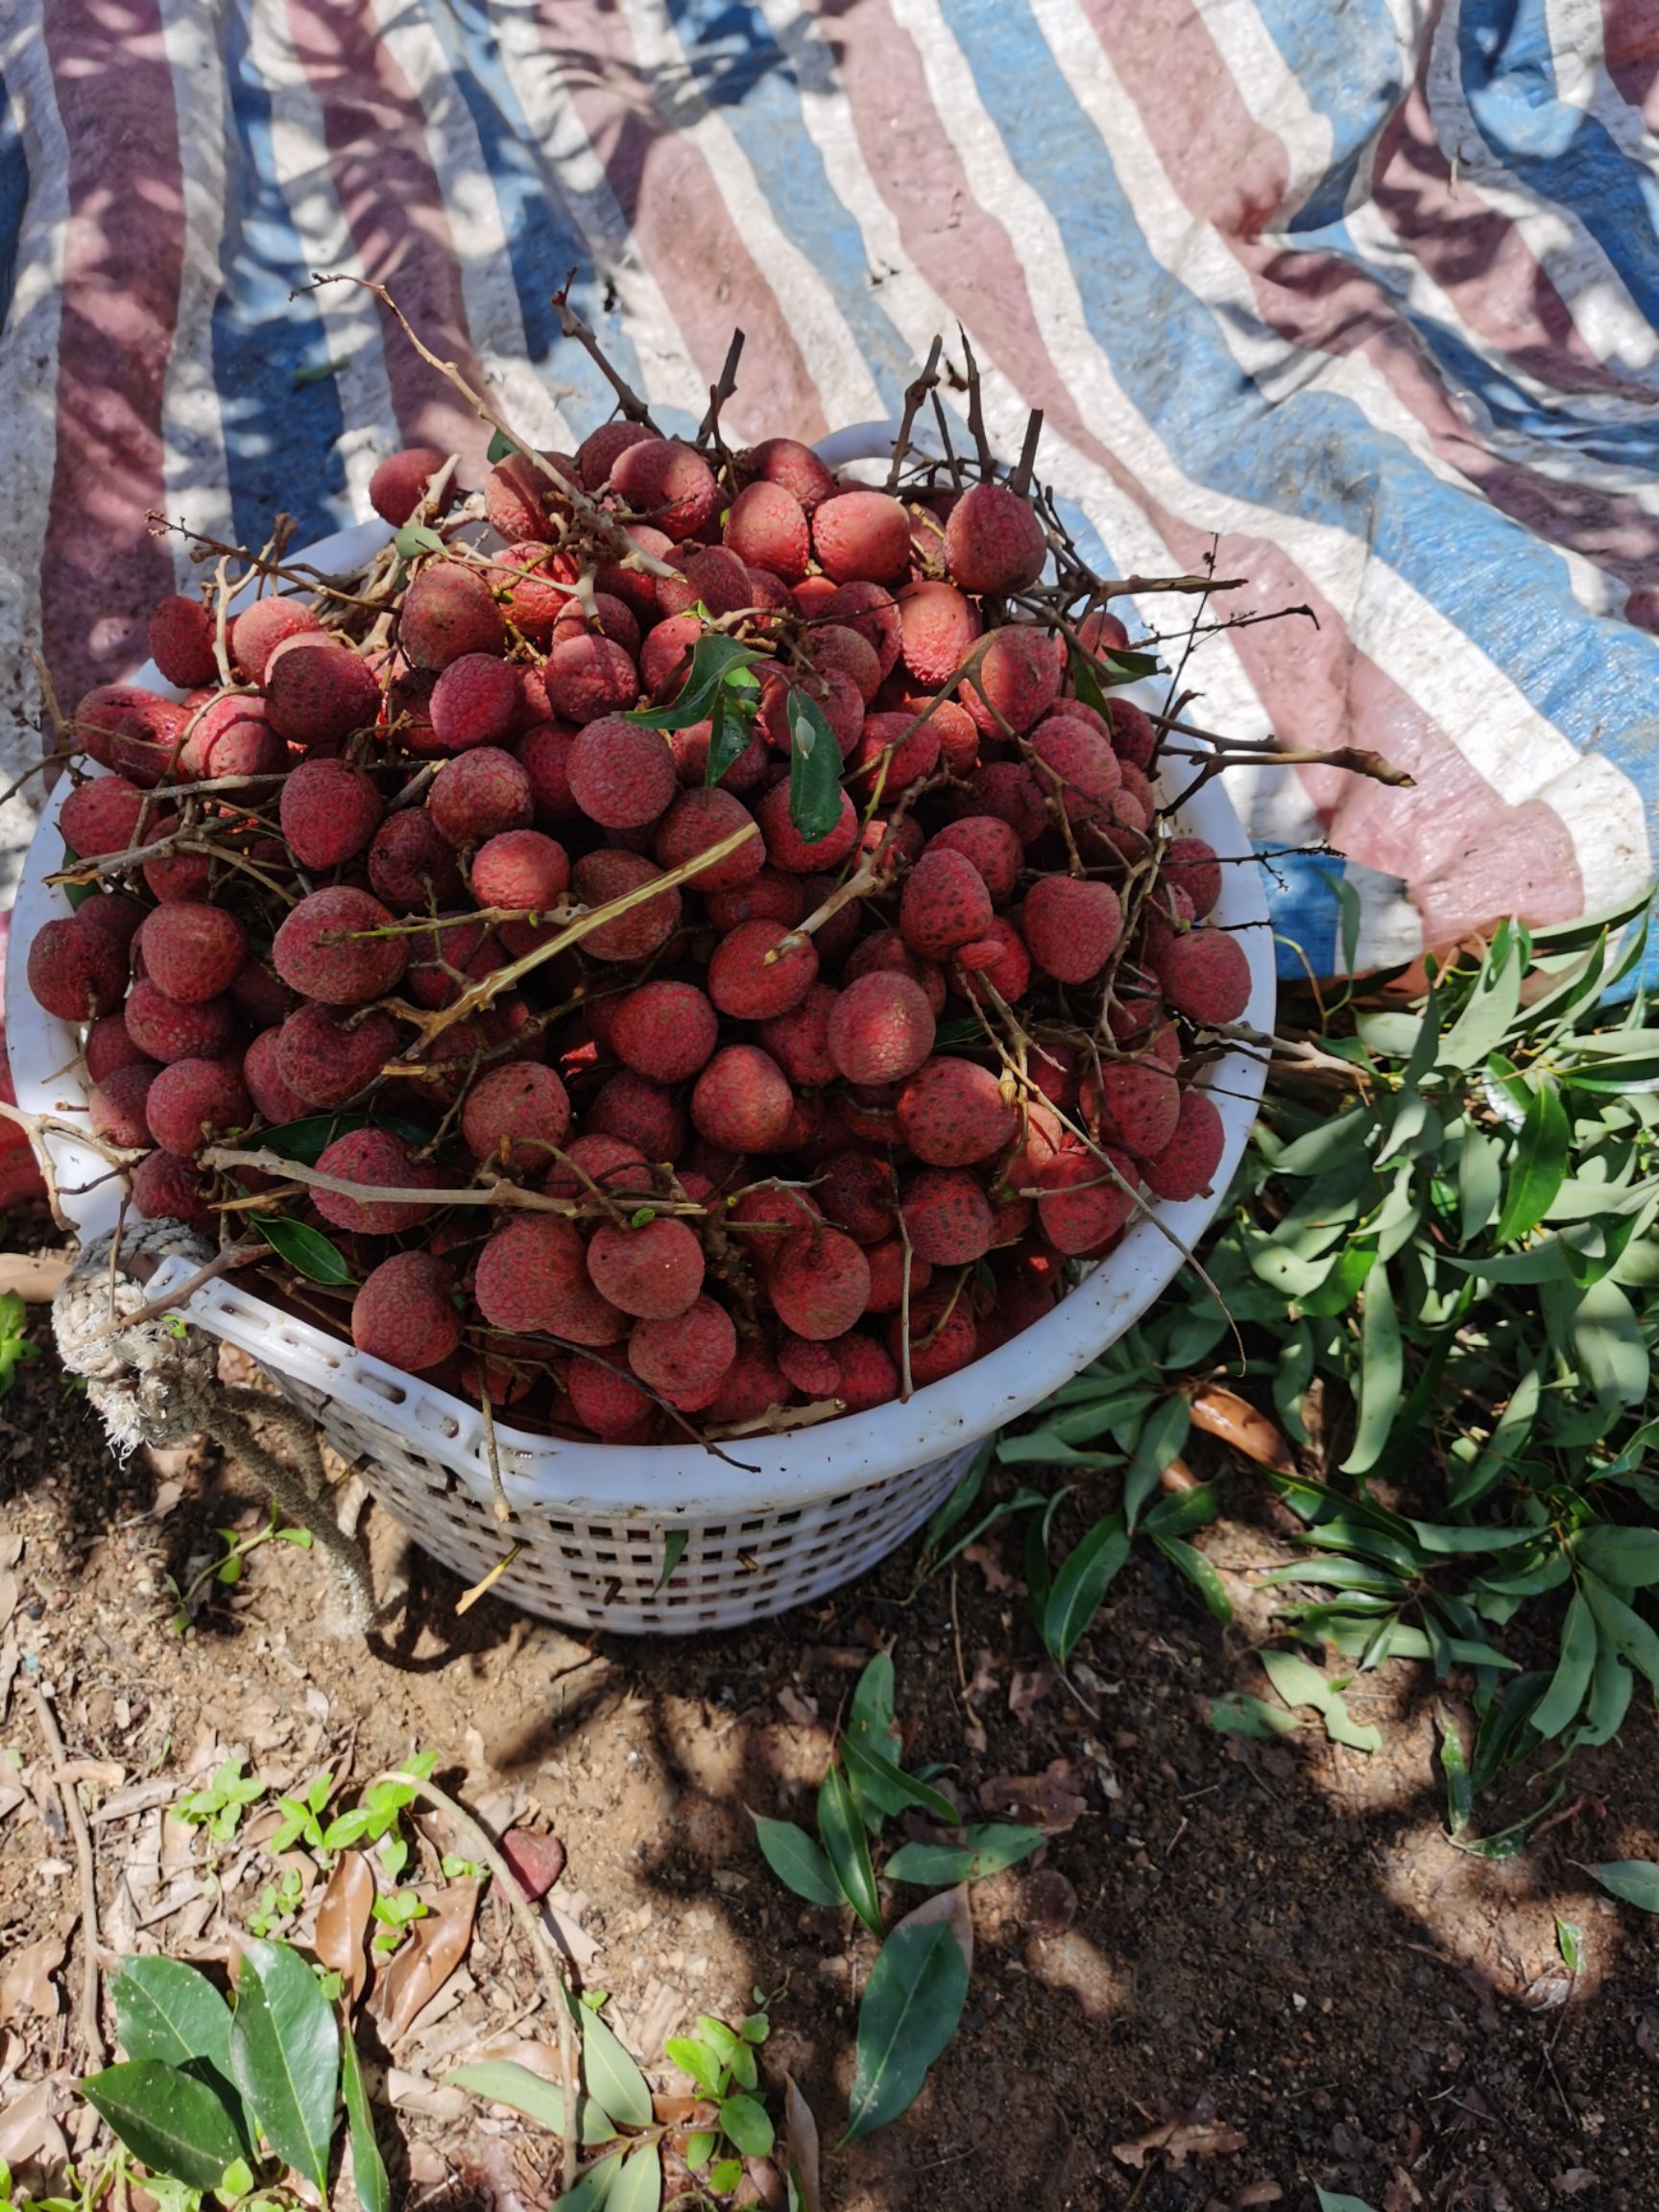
(803,1512)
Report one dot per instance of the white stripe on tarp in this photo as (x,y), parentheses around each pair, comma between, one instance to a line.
(349,318)
(1577,41)
(1514,748)
(28,409)
(495,320)
(806,305)
(195,470)
(1274,94)
(667,373)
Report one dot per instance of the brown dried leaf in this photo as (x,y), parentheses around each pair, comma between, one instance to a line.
(430,1954)
(29,2134)
(801,2145)
(1224,1414)
(1180,2140)
(989,1562)
(1030,1686)
(1573,2181)
(949,1906)
(26,1985)
(8,1595)
(342,1921)
(1052,1800)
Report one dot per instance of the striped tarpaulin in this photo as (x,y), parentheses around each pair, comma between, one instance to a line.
(1371,295)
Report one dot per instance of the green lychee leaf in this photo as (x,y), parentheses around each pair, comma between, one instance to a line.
(712,661)
(814,769)
(729,731)
(501,448)
(307,1250)
(416,538)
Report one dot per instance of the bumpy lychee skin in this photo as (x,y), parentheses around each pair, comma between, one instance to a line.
(1136,1103)
(443,962)
(480,794)
(194,952)
(766,527)
(475,702)
(888,1261)
(117,912)
(596,456)
(951,1113)
(519,494)
(166,1030)
(836,646)
(115,1107)
(945,903)
(698,819)
(812,1368)
(651,1272)
(589,677)
(613,619)
(195,1102)
(374,1156)
(101,816)
(109,1048)
(684,1359)
(861,537)
(1008,790)
(398,485)
(605,1163)
(329,812)
(942,1334)
(272,1100)
(869,609)
(664,1031)
(938,630)
(948,1219)
(232,735)
(668,485)
(405,1313)
(869,1378)
(168,1188)
(516,1117)
(859,1191)
(412,864)
(742,1100)
(607,1399)
(743,986)
(622,776)
(799,1039)
(991,845)
(898,749)
(819,1282)
(599,878)
(1205,976)
(1078,765)
(798,856)
(533,1278)
(1018,680)
(449,611)
(328,949)
(666,652)
(993,542)
(1187,1165)
(522,869)
(75,971)
(1190,865)
(326,1060)
(882,1028)
(708,573)
(786,461)
(317,694)
(642,1114)
(1072,927)
(261,628)
(1084,1202)
(182,641)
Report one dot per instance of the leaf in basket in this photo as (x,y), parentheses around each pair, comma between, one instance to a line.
(342,1921)
(75,893)
(816,795)
(307,1250)
(428,1955)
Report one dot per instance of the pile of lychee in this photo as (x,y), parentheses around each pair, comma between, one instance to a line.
(823,1120)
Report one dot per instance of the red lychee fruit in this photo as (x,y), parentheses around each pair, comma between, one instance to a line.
(600,878)
(405,1313)
(533,1278)
(325,1058)
(999,960)
(521,869)
(652,1272)
(444,961)
(898,749)
(596,456)
(819,1282)
(742,1100)
(1017,679)
(75,970)
(768,896)
(796,466)
(110,1047)
(667,484)
(861,537)
(942,1334)
(948,1217)
(766,527)
(642,1114)
(991,845)
(589,677)
(1187,1165)
(101,816)
(182,642)
(882,1028)
(1072,927)
(257,632)
(1190,865)
(475,702)
(115,1107)
(706,573)
(329,812)
(516,1117)
(448,610)
(478,795)
(888,1261)
(664,1031)
(952,1113)
(193,952)
(604,1163)
(166,1189)
(1134,734)
(166,1030)
(1008,790)
(1077,764)
(1205,976)
(945,903)
(374,1156)
(636,590)
(938,629)
(834,646)
(607,1400)
(859,1192)
(1084,1200)
(868,1375)
(195,1102)
(835,694)
(994,540)
(317,694)
(750,1387)
(232,735)
(117,912)
(812,1368)
(1136,1103)
(621,775)
(543,753)
(743,986)
(613,619)
(798,856)
(275,1102)
(684,1360)
(799,1039)
(519,495)
(328,948)
(665,653)
(412,864)
(698,819)
(400,484)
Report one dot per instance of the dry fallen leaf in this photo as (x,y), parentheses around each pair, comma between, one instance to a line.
(428,1955)
(1224,1414)
(803,1710)
(26,1983)
(997,1580)
(1180,2140)
(28,2131)
(1573,2181)
(801,2145)
(1052,1800)
(8,1595)
(343,1921)
(1030,1686)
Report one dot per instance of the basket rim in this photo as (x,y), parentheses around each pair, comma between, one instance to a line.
(686,1482)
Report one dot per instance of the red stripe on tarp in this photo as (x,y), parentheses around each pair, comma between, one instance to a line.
(376,134)
(1630,43)
(682,224)
(1317,688)
(1234,174)
(102,570)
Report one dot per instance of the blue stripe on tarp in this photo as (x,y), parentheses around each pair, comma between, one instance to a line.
(14,198)
(1307,918)
(1309,454)
(1353,79)
(544,242)
(279,403)
(1557,150)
